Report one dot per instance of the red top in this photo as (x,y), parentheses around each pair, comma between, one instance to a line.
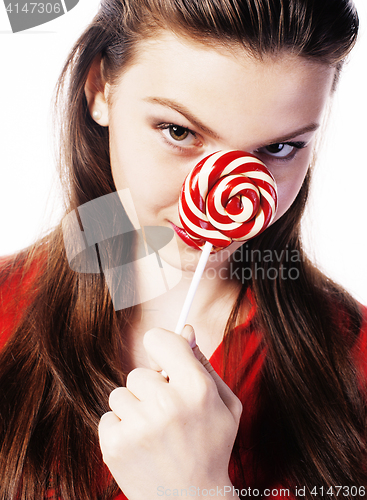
(247,370)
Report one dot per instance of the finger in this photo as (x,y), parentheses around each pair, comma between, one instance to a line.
(107,427)
(171,352)
(108,420)
(228,397)
(121,400)
(188,333)
(144,383)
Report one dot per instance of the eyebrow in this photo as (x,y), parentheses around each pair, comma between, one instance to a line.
(288,137)
(169,103)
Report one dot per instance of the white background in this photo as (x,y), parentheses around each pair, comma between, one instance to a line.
(335,226)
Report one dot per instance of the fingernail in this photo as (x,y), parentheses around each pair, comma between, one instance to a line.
(192,338)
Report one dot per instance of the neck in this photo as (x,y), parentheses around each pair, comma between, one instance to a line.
(212,305)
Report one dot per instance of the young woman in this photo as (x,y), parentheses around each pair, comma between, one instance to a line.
(151,88)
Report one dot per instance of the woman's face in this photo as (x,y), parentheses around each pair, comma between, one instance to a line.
(180,101)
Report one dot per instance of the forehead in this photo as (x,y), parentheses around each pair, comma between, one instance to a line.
(227,87)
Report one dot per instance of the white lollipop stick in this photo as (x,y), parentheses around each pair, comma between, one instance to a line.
(203,207)
(192,290)
(193,286)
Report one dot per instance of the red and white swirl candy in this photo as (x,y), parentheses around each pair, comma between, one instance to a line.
(228,196)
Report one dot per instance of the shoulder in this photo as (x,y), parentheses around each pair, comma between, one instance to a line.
(18,276)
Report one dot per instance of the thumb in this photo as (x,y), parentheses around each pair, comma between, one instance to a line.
(188,333)
(227,396)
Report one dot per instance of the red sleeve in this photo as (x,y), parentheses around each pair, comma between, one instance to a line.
(360,349)
(15,287)
(120,496)
(360,355)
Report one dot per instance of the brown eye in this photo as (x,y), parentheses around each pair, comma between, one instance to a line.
(275,148)
(178,133)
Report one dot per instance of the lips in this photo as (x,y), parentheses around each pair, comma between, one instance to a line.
(184,236)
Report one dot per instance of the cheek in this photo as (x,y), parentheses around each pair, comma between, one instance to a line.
(140,163)
(152,185)
(131,166)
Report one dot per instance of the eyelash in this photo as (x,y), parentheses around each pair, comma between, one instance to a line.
(166,126)
(297,145)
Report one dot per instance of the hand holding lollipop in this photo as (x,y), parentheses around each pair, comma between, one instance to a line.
(228,196)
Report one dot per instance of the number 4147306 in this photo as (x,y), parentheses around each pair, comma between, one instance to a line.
(38,7)
(343,491)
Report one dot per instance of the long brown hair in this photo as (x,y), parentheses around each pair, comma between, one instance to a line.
(64,357)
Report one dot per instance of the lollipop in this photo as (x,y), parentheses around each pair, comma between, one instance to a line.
(229,196)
